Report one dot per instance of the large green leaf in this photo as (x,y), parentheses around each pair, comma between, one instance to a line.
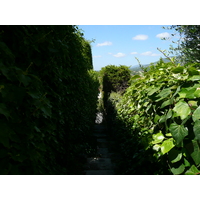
(152,90)
(192,71)
(177,90)
(135,77)
(156,118)
(192,171)
(196,129)
(196,114)
(187,93)
(175,155)
(158,138)
(196,152)
(156,147)
(197,93)
(178,69)
(182,109)
(166,116)
(162,119)
(186,163)
(194,78)
(166,103)
(169,114)
(167,145)
(178,132)
(178,170)
(193,104)
(163,94)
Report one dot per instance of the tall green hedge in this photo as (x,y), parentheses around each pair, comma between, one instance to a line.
(157,121)
(48,94)
(114,79)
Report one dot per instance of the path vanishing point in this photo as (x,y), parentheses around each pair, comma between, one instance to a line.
(102,163)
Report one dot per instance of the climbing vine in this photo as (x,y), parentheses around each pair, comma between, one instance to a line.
(159,118)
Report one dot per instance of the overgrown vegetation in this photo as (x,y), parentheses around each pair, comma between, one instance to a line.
(114,79)
(48,95)
(157,121)
(188,47)
(48,102)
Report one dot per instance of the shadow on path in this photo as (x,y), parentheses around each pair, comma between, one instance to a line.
(102,163)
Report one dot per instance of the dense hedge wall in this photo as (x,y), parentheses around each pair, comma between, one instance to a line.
(48,95)
(157,121)
(113,79)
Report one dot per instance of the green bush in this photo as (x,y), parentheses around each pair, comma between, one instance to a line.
(47,99)
(158,120)
(114,78)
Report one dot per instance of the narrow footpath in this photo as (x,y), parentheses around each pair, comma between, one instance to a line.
(102,163)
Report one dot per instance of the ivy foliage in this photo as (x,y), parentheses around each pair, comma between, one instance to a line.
(157,121)
(48,94)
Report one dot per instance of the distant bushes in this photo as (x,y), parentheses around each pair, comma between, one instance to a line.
(48,95)
(114,79)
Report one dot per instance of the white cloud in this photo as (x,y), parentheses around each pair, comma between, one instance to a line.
(163,35)
(119,55)
(104,44)
(134,53)
(155,54)
(97,56)
(140,37)
(149,53)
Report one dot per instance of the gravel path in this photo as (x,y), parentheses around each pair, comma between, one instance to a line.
(102,163)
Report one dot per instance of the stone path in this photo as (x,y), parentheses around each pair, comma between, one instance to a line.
(101,164)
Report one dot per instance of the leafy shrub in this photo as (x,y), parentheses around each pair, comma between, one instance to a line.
(113,78)
(159,121)
(47,99)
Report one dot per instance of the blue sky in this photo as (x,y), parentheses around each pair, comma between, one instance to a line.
(120,44)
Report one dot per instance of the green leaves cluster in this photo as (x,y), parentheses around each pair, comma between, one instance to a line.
(161,112)
(48,95)
(188,43)
(114,79)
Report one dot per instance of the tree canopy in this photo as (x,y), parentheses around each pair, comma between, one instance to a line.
(188,43)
